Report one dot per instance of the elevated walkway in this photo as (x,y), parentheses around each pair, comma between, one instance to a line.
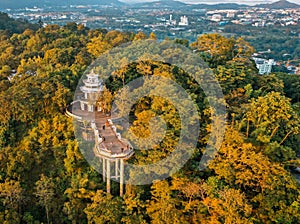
(108,142)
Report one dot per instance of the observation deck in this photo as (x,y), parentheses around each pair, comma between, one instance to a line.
(111,149)
(109,143)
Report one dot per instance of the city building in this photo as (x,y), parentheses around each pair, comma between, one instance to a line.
(184,21)
(216,17)
(264,66)
(230,14)
(171,21)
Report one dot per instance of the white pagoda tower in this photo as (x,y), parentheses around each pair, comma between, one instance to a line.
(92,89)
(110,148)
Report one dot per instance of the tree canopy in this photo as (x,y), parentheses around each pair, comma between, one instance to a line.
(44,177)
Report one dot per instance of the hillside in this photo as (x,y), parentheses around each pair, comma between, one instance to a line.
(159,4)
(39,3)
(282,4)
(219,6)
(178,4)
(14,26)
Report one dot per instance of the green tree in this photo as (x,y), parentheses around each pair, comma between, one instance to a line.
(242,166)
(152,36)
(98,45)
(44,191)
(104,209)
(162,206)
(214,48)
(11,195)
(140,36)
(271,117)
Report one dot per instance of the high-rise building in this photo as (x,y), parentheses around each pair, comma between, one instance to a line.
(264,66)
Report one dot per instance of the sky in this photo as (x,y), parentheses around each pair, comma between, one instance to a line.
(248,2)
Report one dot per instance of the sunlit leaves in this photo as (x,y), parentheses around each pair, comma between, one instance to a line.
(104,209)
(272,117)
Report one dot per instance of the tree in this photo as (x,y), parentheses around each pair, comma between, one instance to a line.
(11,195)
(104,209)
(271,118)
(241,166)
(263,85)
(291,86)
(116,38)
(140,36)
(98,45)
(152,36)
(134,207)
(243,49)
(79,193)
(228,206)
(44,191)
(214,48)
(162,206)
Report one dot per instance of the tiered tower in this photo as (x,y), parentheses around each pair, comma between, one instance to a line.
(92,89)
(111,149)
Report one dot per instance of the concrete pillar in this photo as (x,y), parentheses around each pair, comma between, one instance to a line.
(108,176)
(90,108)
(117,169)
(103,170)
(121,177)
(82,105)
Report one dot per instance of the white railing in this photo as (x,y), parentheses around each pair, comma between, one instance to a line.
(69,114)
(107,153)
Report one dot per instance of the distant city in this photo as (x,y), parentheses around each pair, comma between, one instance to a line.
(165,20)
(169,19)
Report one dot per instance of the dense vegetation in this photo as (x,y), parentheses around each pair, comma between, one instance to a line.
(44,177)
(282,41)
(10,25)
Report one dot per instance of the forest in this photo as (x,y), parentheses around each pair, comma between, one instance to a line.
(282,41)
(44,177)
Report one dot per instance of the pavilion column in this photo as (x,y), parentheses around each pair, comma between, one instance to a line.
(108,176)
(82,106)
(103,169)
(121,177)
(117,169)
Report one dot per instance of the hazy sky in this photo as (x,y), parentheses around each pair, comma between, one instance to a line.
(249,2)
